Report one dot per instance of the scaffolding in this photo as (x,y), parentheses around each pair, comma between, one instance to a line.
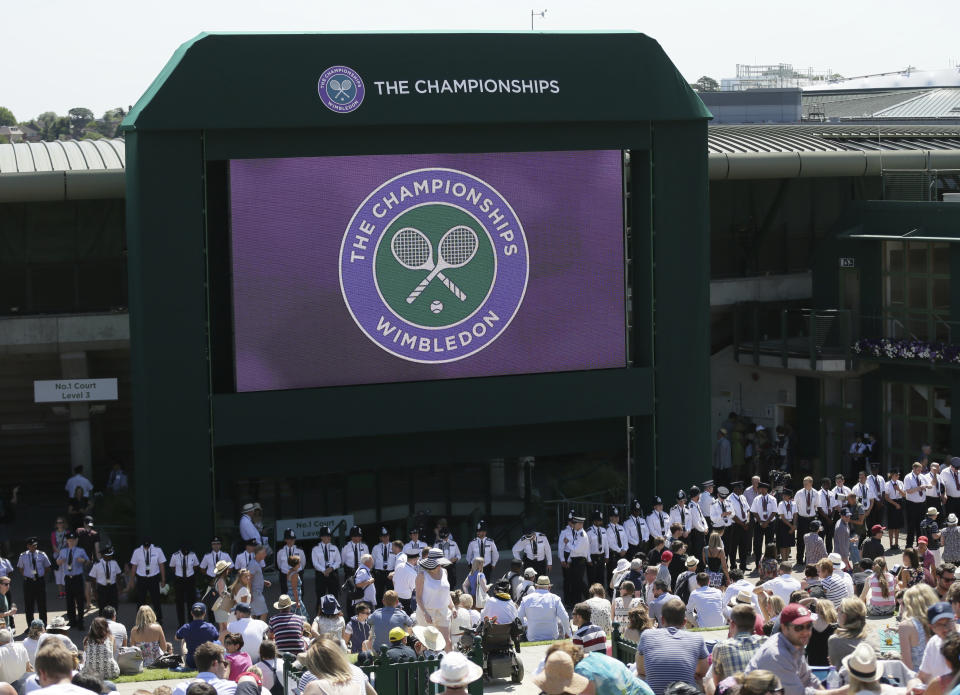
(777,76)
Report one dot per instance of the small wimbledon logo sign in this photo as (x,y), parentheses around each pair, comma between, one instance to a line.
(341,89)
(434,265)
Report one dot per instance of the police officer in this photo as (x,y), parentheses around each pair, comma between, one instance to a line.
(699,527)
(740,534)
(658,521)
(33,564)
(481,546)
(326,563)
(288,550)
(616,541)
(105,573)
(680,514)
(210,560)
(183,564)
(414,546)
(707,498)
(450,550)
(564,547)
(73,560)
(575,556)
(384,562)
(828,504)
(533,550)
(638,533)
(764,510)
(807,501)
(353,551)
(146,564)
(599,550)
(721,514)
(248,556)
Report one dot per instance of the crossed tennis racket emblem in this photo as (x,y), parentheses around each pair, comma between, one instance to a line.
(342,87)
(413,251)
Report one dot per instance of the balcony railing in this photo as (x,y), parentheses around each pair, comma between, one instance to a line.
(799,338)
(930,340)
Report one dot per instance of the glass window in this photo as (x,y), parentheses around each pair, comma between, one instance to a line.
(941,259)
(894,256)
(916,282)
(927,420)
(917,258)
(895,400)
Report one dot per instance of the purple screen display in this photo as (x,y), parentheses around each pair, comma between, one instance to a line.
(390,268)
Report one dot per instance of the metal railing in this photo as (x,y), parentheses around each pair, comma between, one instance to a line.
(622,650)
(811,333)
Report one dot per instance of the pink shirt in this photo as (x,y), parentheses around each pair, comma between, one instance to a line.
(876,594)
(239,662)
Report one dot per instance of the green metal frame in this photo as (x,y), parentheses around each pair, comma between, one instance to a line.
(219,98)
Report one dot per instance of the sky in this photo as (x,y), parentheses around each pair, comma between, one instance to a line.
(61,55)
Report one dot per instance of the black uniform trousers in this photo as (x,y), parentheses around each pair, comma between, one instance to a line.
(732,537)
(829,523)
(107,595)
(185,593)
(151,586)
(915,513)
(35,596)
(326,584)
(75,599)
(488,573)
(577,574)
(803,527)
(597,571)
(567,581)
(762,536)
(952,506)
(539,566)
(936,502)
(695,542)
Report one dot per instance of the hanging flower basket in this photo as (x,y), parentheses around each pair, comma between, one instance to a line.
(885,348)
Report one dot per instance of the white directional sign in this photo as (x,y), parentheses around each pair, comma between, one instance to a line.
(62,390)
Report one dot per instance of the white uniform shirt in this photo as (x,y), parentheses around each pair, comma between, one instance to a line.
(105,572)
(616,538)
(680,514)
(698,521)
(352,552)
(485,548)
(721,507)
(877,486)
(894,488)
(865,493)
(935,481)
(597,535)
(950,477)
(249,530)
(658,523)
(741,510)
(574,544)
(383,557)
(637,530)
(210,560)
(147,563)
(807,502)
(915,481)
(536,548)
(828,502)
(325,555)
(284,555)
(245,559)
(414,548)
(765,507)
(405,580)
(706,502)
(787,510)
(451,550)
(177,564)
(840,493)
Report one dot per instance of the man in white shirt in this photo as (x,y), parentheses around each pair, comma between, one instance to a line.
(54,667)
(354,549)
(543,614)
(148,572)
(877,486)
(533,550)
(183,564)
(246,558)
(414,546)
(210,560)
(950,478)
(616,541)
(284,554)
(635,526)
(363,578)
(326,563)
(706,603)
(658,521)
(405,583)
(707,498)
(104,572)
(784,584)
(942,622)
(481,546)
(599,550)
(698,524)
(828,510)
(764,511)
(739,537)
(574,552)
(915,490)
(253,631)
(78,480)
(807,501)
(384,562)
(212,667)
(935,487)
(249,530)
(721,514)
(14,660)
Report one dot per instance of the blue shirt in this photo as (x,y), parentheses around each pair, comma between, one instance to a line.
(33,563)
(75,558)
(610,676)
(670,654)
(195,633)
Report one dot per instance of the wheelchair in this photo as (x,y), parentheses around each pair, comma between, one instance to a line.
(500,645)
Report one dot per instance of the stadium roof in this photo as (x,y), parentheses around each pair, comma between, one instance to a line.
(935,103)
(941,104)
(815,150)
(62,170)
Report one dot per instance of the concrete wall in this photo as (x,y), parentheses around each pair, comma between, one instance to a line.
(750,391)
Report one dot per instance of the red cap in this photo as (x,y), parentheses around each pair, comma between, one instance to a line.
(795,614)
(877,528)
(923,539)
(666,556)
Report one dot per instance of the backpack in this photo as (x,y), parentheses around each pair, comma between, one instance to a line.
(277,688)
(350,589)
(682,588)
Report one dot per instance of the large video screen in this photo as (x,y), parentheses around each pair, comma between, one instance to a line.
(388,268)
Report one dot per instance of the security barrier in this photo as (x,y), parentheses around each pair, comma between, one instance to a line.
(623,650)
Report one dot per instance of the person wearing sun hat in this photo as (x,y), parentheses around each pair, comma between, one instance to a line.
(864,672)
(559,678)
(456,672)
(930,529)
(542,613)
(432,589)
(783,654)
(950,540)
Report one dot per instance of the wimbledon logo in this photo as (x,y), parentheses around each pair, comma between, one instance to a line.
(434,265)
(341,89)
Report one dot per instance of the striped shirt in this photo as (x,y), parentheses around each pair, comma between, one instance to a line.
(877,599)
(732,655)
(591,638)
(835,588)
(670,654)
(287,631)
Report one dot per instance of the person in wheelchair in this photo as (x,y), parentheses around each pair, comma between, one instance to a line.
(500,608)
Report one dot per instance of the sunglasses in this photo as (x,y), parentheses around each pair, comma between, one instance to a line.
(801,628)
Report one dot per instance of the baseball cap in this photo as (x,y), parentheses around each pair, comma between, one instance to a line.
(924,540)
(877,528)
(198,608)
(666,556)
(795,614)
(938,611)
(397,634)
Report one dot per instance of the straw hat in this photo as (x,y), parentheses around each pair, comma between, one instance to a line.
(222,566)
(430,636)
(558,676)
(543,580)
(283,602)
(456,671)
(692,561)
(862,664)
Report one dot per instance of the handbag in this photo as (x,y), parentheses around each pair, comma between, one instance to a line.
(130,661)
(225,603)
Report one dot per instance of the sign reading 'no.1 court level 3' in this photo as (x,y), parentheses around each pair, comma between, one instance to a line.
(60,390)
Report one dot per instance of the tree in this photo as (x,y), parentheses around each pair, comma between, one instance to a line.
(706,84)
(79,118)
(6,116)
